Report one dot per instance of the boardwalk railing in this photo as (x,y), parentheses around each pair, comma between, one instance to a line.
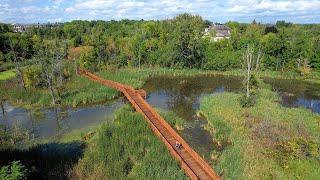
(194,166)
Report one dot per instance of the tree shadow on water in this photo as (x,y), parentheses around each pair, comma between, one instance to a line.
(46,161)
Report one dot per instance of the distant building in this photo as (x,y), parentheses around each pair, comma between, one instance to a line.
(21,28)
(222,31)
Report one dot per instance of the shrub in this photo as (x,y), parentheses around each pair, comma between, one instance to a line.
(254,84)
(32,76)
(248,101)
(14,171)
(305,71)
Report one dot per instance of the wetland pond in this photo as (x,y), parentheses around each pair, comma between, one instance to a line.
(180,94)
(55,122)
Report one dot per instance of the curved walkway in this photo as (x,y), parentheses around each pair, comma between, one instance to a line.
(194,166)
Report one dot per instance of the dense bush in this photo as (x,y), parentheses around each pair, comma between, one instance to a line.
(15,171)
(248,101)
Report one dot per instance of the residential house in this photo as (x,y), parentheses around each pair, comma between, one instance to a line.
(222,32)
(21,28)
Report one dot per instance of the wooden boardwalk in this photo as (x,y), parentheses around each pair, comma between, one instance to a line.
(194,166)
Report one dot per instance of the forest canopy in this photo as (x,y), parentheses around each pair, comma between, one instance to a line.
(172,43)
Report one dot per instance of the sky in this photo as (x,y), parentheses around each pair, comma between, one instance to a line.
(265,11)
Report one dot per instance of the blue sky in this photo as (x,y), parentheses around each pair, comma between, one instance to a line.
(265,11)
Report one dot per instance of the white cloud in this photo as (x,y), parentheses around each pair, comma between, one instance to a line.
(94,4)
(70,9)
(237,9)
(276,6)
(215,10)
(57,2)
(92,13)
(54,20)
(4,6)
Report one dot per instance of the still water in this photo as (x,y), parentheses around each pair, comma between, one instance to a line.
(296,93)
(54,122)
(180,94)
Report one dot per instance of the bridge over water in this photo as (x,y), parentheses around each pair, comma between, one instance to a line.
(193,165)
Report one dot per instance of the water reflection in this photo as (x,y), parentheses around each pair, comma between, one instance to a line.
(53,122)
(296,93)
(182,94)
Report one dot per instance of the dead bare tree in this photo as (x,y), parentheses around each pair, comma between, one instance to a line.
(248,59)
(251,62)
(50,58)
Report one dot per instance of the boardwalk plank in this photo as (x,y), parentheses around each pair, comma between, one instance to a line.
(191,162)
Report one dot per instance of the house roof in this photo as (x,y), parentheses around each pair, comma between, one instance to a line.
(222,30)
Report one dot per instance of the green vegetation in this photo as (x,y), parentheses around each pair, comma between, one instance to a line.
(14,171)
(7,75)
(172,119)
(284,140)
(118,150)
(81,90)
(123,151)
(9,137)
(285,50)
(266,141)
(172,43)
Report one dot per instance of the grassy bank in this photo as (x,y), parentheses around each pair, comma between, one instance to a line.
(122,148)
(80,90)
(266,141)
(123,151)
(314,77)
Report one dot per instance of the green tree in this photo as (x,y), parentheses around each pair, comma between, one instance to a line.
(272,47)
(315,61)
(185,40)
(303,48)
(16,48)
(281,24)
(252,35)
(88,61)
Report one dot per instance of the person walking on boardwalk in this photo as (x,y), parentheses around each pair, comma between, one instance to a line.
(178,145)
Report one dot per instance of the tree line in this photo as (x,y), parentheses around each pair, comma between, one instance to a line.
(175,43)
(172,43)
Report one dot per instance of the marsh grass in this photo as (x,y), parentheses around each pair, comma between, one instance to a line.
(10,137)
(7,75)
(80,90)
(268,141)
(172,119)
(126,148)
